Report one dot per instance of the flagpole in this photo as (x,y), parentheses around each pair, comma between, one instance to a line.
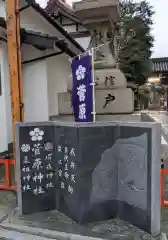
(93,86)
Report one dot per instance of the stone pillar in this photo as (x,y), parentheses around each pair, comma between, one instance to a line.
(112,95)
(100,18)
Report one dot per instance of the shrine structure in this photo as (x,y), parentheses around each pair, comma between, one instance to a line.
(111,95)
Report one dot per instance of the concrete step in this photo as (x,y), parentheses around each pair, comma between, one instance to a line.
(19,232)
(14,235)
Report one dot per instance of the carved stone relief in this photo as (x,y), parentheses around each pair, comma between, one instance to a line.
(128,157)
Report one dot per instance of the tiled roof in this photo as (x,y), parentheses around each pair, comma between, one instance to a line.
(39,40)
(55,24)
(159,65)
(56,7)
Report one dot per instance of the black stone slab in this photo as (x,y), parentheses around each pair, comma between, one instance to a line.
(67,167)
(87,202)
(37,168)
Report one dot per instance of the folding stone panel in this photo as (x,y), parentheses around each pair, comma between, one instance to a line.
(99,171)
(144,185)
(79,166)
(138,158)
(67,168)
(118,174)
(98,174)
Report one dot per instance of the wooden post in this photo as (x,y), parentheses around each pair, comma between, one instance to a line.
(19,61)
(14,61)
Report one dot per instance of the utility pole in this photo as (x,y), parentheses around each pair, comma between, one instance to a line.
(14,61)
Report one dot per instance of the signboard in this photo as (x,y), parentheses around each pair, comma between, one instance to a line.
(37,168)
(82,92)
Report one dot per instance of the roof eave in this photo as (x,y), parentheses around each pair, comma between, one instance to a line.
(33,38)
(55,24)
(62,10)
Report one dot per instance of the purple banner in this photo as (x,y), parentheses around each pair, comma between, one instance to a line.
(82,92)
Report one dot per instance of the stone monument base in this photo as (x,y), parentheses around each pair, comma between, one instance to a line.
(108,101)
(105,79)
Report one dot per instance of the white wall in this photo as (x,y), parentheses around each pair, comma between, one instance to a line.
(31,20)
(42,80)
(84,42)
(58,70)
(2,9)
(71,28)
(35,89)
(7,93)
(3,124)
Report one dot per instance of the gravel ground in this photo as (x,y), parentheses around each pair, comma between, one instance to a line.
(114,229)
(7,198)
(7,203)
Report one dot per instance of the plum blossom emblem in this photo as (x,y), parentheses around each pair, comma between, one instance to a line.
(36,134)
(80,72)
(25,147)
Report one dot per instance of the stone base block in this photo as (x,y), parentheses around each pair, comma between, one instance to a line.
(106,78)
(65,103)
(123,101)
(114,101)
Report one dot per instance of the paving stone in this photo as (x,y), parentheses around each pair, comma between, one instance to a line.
(14,235)
(7,203)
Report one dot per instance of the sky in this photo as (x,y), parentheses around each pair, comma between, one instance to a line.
(160,27)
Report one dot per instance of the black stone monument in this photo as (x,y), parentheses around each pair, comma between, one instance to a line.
(92,171)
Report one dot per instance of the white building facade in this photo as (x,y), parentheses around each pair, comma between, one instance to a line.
(45,50)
